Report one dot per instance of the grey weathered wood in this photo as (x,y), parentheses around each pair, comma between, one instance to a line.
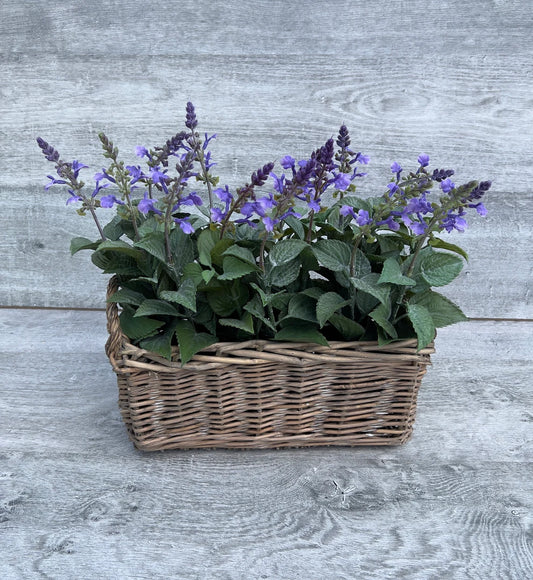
(77,501)
(271,78)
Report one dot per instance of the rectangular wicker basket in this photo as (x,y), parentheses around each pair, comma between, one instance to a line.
(261,394)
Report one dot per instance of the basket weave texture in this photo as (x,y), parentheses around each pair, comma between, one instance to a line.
(266,394)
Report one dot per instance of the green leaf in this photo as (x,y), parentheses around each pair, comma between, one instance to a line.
(301,332)
(219,251)
(442,310)
(314,291)
(438,243)
(370,285)
(193,271)
(113,230)
(137,328)
(296,226)
(235,268)
(282,276)
(243,254)
(327,305)
(381,316)
(362,265)
(206,242)
(190,342)
(154,244)
(115,263)
(332,254)
(392,274)
(77,244)
(182,249)
(439,269)
(255,307)
(185,295)
(246,323)
(422,323)
(349,329)
(160,343)
(127,296)
(286,250)
(151,307)
(120,247)
(355,202)
(302,307)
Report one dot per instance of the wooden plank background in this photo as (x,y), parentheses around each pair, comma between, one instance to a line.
(449,78)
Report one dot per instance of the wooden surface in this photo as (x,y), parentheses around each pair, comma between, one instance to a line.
(77,501)
(451,79)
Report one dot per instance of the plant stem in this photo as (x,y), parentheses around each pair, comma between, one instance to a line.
(97,222)
(201,159)
(354,253)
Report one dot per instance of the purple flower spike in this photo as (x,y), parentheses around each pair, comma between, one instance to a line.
(190,121)
(48,151)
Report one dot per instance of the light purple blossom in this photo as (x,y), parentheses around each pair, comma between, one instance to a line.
(447,185)
(279,182)
(363,159)
(287,162)
(77,166)
(54,181)
(480,208)
(147,204)
(73,198)
(390,223)
(223,194)
(192,199)
(217,215)
(185,226)
(396,168)
(393,188)
(423,159)
(110,201)
(141,151)
(362,217)
(314,205)
(342,181)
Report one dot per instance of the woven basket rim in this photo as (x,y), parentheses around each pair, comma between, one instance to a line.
(125,357)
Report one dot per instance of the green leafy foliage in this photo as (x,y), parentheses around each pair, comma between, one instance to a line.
(280,264)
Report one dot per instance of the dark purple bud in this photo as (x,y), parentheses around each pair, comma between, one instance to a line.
(324,155)
(343,140)
(48,151)
(305,172)
(261,175)
(442,174)
(190,122)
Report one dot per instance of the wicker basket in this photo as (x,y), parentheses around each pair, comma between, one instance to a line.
(262,394)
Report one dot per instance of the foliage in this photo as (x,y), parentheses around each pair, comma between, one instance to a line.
(279,265)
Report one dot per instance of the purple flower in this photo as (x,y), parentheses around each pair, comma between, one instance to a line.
(159,176)
(363,218)
(423,159)
(192,199)
(190,120)
(279,182)
(447,185)
(390,223)
(393,188)
(48,151)
(223,194)
(135,173)
(147,204)
(73,198)
(363,159)
(104,175)
(269,224)
(208,139)
(418,205)
(54,182)
(396,168)
(109,201)
(217,215)
(99,188)
(287,162)
(480,208)
(346,210)
(454,221)
(314,205)
(185,226)
(77,166)
(141,151)
(342,181)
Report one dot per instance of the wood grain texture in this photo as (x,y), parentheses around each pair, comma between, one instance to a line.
(77,501)
(450,79)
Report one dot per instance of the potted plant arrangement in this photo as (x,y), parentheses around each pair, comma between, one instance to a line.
(286,312)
